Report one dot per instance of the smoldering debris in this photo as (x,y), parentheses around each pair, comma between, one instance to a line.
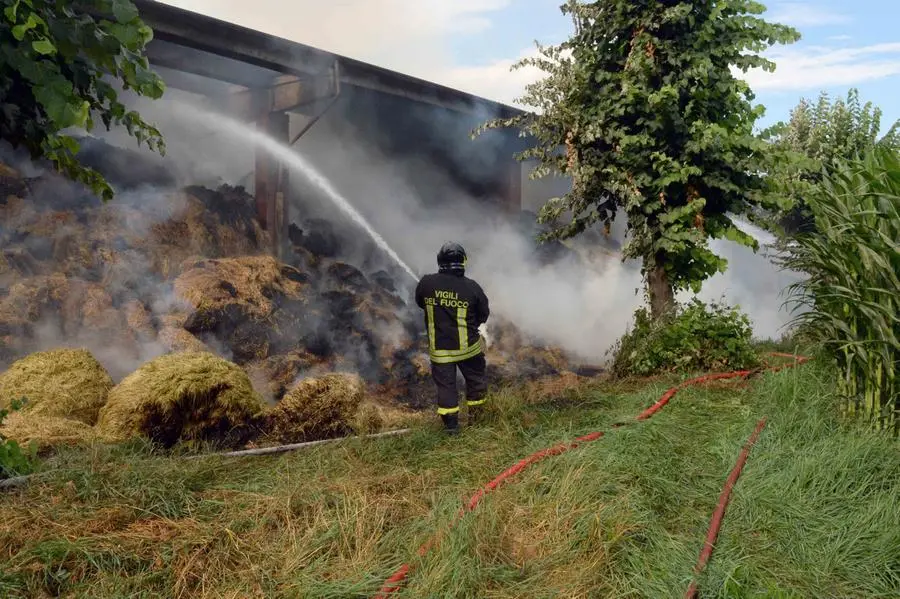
(162,269)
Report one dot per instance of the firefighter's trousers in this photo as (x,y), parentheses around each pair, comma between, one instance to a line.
(474,371)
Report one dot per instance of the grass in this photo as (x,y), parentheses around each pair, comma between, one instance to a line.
(815,514)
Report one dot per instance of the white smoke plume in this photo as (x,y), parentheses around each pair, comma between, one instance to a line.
(582,310)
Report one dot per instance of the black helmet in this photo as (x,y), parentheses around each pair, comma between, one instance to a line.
(451,255)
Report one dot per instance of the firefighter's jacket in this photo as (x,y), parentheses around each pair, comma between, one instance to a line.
(455,306)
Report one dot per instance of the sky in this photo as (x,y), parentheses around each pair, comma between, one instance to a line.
(471,44)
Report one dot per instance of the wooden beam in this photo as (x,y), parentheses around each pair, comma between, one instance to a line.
(192,30)
(287,93)
(195,84)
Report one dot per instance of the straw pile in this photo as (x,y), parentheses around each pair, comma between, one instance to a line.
(185,396)
(45,432)
(63,383)
(184,271)
(318,408)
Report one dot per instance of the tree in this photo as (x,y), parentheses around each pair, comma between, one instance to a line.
(654,121)
(59,61)
(816,137)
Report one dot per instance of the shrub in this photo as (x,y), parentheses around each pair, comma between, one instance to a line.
(14,461)
(693,337)
(851,296)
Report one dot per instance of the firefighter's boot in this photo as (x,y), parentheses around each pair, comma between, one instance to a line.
(451,423)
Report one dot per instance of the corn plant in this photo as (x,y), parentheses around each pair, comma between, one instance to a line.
(851,298)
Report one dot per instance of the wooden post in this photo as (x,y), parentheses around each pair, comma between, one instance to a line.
(272,180)
(263,176)
(514,188)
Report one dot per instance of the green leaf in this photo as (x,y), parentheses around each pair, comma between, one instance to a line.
(124,11)
(10,11)
(44,47)
(19,32)
(128,35)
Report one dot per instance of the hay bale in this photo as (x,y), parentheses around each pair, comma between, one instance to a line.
(184,396)
(45,431)
(62,383)
(173,336)
(346,275)
(31,299)
(422,364)
(47,224)
(201,222)
(368,419)
(76,306)
(317,408)
(179,340)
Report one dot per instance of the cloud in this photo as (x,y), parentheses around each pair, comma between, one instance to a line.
(803,14)
(418,37)
(816,67)
(495,80)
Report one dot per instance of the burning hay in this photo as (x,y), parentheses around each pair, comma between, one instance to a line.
(186,396)
(511,355)
(251,281)
(318,408)
(253,305)
(63,383)
(45,431)
(173,270)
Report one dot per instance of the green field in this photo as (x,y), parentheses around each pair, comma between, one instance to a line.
(815,514)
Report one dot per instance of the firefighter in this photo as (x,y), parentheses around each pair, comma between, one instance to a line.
(455,308)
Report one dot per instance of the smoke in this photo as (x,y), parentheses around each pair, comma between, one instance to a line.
(84,308)
(416,206)
(416,197)
(582,310)
(753,283)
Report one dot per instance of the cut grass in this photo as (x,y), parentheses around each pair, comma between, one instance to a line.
(815,514)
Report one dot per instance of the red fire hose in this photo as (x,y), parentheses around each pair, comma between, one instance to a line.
(396,580)
(716,522)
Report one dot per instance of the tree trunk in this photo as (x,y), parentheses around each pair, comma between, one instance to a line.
(662,298)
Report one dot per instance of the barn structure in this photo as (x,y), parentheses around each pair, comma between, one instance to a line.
(268,80)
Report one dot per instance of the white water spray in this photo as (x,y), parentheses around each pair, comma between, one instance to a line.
(297,163)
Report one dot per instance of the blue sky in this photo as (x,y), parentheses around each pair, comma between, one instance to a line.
(834,33)
(470,44)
